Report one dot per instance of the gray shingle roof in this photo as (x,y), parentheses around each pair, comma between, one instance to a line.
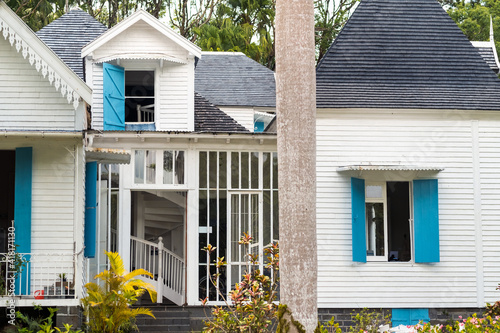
(67,35)
(233,79)
(488,55)
(404,54)
(209,118)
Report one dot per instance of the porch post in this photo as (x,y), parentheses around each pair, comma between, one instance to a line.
(124,226)
(192,232)
(159,289)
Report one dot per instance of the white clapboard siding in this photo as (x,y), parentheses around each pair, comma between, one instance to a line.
(97,97)
(489,144)
(244,116)
(426,138)
(175,96)
(53,205)
(27,100)
(141,38)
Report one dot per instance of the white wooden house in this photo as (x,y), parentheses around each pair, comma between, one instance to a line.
(196,176)
(407,133)
(407,159)
(42,115)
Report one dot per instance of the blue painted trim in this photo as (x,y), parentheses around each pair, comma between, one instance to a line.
(90,209)
(358,220)
(22,209)
(259,127)
(113,97)
(426,220)
(409,316)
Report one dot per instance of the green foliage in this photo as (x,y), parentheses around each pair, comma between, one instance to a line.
(107,307)
(473,17)
(251,306)
(241,26)
(39,324)
(330,16)
(285,319)
(37,13)
(329,327)
(369,321)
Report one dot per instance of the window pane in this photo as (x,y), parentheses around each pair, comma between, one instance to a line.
(139,167)
(254,220)
(179,167)
(222,223)
(374,192)
(222,170)
(139,96)
(275,170)
(203,282)
(255,170)
(275,216)
(168,167)
(213,169)
(150,166)
(235,230)
(266,217)
(115,176)
(244,216)
(375,229)
(245,169)
(203,169)
(266,174)
(235,170)
(212,222)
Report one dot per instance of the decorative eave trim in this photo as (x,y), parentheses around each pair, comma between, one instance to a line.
(43,58)
(141,56)
(142,15)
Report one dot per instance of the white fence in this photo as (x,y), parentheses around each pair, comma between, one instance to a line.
(39,275)
(167,268)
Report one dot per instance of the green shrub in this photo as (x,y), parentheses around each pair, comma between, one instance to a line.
(108,308)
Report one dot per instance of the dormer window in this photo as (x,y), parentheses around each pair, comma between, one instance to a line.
(139,96)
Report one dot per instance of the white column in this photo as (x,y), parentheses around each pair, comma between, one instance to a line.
(192,224)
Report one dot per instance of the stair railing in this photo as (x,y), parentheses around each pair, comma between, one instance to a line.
(167,267)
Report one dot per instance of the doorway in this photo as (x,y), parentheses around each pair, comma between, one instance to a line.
(7,184)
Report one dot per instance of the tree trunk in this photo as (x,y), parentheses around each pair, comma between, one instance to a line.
(296,110)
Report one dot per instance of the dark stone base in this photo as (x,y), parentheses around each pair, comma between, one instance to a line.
(444,316)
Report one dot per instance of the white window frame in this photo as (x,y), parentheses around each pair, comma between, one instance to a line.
(385,257)
(144,65)
(158,183)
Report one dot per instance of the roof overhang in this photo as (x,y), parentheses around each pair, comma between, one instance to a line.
(388,168)
(388,172)
(107,156)
(142,15)
(141,56)
(44,60)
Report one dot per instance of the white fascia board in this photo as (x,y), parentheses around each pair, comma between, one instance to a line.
(150,20)
(45,53)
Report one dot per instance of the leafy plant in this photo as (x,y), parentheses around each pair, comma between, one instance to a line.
(369,321)
(108,307)
(251,306)
(493,310)
(29,324)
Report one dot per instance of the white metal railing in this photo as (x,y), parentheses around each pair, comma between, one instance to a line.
(167,268)
(40,275)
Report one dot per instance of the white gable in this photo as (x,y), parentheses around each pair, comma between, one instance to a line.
(141,36)
(42,58)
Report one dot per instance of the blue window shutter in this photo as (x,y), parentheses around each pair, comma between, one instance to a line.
(22,198)
(114,97)
(426,220)
(358,220)
(409,316)
(22,211)
(90,209)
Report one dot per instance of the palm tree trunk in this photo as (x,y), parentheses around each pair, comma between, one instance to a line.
(296,109)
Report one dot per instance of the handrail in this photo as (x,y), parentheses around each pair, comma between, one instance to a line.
(156,244)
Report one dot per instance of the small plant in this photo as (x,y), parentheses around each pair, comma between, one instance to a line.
(251,306)
(493,310)
(108,308)
(369,321)
(40,324)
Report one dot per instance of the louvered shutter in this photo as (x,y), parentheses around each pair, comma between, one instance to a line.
(114,97)
(358,220)
(426,220)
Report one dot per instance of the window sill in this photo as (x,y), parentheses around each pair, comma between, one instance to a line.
(140,127)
